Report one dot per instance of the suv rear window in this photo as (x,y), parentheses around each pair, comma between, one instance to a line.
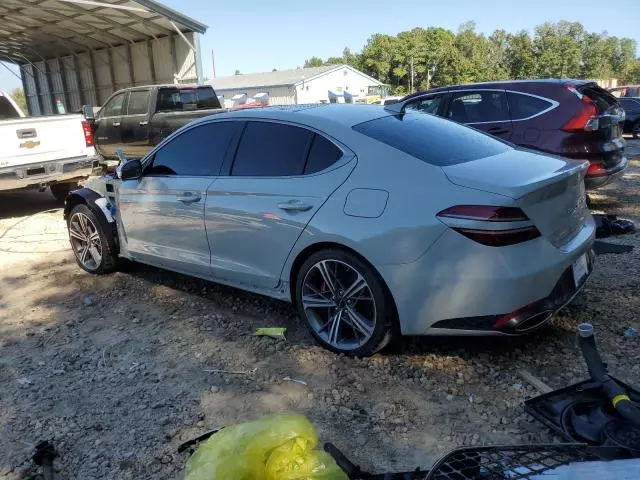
(604,100)
(431,139)
(172,99)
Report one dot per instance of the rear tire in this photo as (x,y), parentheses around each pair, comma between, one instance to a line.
(61,190)
(92,241)
(635,130)
(344,303)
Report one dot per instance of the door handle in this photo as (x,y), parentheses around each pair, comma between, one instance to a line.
(116,124)
(143,124)
(294,206)
(189,198)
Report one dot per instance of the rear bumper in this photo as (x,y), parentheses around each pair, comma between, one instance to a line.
(460,279)
(600,179)
(46,173)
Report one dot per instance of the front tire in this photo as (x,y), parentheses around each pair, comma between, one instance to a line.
(92,241)
(344,303)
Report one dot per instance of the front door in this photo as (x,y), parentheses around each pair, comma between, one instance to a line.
(282,174)
(107,125)
(163,211)
(486,110)
(135,125)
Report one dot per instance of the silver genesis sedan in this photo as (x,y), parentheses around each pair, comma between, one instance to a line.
(369,220)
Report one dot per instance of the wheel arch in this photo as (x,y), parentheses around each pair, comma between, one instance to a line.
(76,197)
(309,250)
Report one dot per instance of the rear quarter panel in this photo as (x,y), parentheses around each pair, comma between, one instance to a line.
(407,226)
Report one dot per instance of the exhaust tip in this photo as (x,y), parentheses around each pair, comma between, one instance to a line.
(585,330)
(533,322)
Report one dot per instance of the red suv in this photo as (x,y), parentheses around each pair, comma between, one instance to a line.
(571,118)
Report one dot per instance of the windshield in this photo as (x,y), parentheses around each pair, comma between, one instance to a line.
(431,139)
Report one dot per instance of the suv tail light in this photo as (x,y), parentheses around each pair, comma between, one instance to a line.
(586,119)
(491,237)
(87,129)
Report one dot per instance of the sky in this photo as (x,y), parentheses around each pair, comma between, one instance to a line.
(258,35)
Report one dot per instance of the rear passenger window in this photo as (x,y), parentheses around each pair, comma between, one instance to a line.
(272,150)
(138,101)
(199,151)
(525,106)
(322,155)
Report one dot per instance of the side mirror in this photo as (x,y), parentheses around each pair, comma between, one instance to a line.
(87,112)
(130,170)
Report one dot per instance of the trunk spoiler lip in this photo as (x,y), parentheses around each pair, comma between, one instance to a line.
(570,168)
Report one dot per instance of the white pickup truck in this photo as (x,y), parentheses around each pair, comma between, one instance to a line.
(39,152)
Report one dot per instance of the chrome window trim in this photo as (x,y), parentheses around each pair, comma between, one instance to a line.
(554,104)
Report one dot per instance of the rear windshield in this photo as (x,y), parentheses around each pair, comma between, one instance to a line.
(604,100)
(431,139)
(172,99)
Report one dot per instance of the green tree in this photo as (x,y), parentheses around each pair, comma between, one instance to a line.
(18,96)
(237,72)
(520,59)
(313,62)
(557,49)
(334,61)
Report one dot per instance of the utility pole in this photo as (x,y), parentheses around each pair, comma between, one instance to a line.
(213,64)
(412,74)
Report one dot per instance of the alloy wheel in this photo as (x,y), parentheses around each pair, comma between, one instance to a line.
(339,304)
(85,241)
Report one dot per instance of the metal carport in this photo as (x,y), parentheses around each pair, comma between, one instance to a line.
(76,52)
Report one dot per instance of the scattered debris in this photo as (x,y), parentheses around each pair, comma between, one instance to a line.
(231,372)
(88,301)
(535,381)
(630,332)
(44,456)
(24,381)
(273,332)
(289,379)
(608,225)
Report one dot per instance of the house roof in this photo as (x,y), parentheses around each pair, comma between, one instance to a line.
(31,30)
(277,78)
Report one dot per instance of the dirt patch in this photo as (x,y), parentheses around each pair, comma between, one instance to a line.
(113,369)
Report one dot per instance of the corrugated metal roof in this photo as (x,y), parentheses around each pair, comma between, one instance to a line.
(271,79)
(31,30)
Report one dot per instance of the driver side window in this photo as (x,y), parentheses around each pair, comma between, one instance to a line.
(198,151)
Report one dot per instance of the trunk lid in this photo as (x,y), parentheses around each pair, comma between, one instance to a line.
(548,189)
(610,113)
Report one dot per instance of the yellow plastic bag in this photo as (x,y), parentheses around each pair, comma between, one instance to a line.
(274,447)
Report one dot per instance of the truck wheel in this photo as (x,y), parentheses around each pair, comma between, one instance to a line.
(635,130)
(92,241)
(61,190)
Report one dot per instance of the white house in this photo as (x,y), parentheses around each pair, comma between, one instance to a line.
(302,85)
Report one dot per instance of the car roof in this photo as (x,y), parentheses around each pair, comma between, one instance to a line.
(313,115)
(500,84)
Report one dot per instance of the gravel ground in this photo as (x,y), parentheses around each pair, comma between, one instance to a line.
(113,369)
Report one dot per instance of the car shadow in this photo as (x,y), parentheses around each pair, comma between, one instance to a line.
(28,202)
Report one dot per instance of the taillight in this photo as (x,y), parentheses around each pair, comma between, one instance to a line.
(586,119)
(456,217)
(87,129)
(596,170)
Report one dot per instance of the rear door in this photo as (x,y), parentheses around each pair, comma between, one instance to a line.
(281,176)
(486,110)
(163,211)
(134,125)
(107,125)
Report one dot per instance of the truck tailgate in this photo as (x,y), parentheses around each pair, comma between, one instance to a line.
(42,139)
